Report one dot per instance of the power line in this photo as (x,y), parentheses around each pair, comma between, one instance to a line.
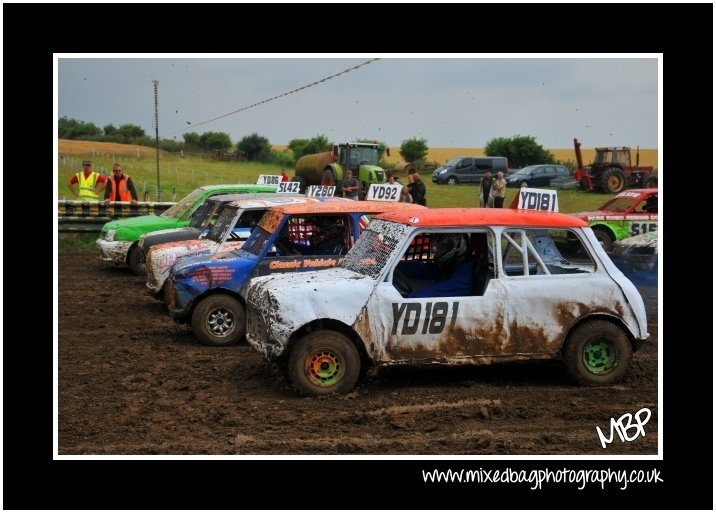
(347,70)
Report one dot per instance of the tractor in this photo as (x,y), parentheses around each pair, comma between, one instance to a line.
(611,170)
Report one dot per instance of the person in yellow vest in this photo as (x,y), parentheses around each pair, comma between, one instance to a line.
(120,187)
(87,184)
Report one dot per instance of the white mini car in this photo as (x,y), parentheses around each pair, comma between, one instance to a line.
(515,287)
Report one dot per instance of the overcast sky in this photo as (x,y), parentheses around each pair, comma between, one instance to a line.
(449,101)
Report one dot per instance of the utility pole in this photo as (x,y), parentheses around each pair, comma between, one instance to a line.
(156,128)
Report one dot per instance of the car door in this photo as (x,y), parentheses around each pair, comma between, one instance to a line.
(464,170)
(459,329)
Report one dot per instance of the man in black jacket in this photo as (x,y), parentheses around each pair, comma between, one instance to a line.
(417,189)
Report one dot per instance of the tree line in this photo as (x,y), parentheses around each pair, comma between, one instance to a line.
(519,150)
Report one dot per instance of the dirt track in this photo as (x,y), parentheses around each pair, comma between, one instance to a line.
(133,382)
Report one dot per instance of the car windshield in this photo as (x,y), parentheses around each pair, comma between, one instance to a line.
(201,213)
(223,224)
(453,161)
(256,242)
(373,249)
(618,204)
(180,208)
(524,171)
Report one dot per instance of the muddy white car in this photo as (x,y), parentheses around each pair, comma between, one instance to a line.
(533,294)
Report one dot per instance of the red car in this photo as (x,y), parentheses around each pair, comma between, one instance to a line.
(629,213)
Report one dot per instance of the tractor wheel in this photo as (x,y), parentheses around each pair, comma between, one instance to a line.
(597,353)
(322,362)
(605,238)
(329,178)
(452,180)
(612,180)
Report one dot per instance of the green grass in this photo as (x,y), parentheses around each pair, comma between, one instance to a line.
(175,173)
(77,241)
(466,196)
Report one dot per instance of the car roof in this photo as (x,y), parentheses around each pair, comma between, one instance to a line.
(348,206)
(483,217)
(234,185)
(638,191)
(254,195)
(271,200)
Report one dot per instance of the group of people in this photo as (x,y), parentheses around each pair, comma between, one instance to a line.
(88,184)
(414,192)
(492,190)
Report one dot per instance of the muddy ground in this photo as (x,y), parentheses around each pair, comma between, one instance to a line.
(132,382)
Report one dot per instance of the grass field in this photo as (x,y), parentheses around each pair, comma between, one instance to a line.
(179,176)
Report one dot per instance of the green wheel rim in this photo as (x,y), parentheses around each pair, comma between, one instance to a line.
(325,367)
(600,356)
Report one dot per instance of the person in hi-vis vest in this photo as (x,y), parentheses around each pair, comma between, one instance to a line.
(87,184)
(120,187)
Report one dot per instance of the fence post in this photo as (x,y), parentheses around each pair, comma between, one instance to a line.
(174,193)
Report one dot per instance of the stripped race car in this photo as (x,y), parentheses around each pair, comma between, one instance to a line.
(629,213)
(205,291)
(232,227)
(528,293)
(118,240)
(201,222)
(638,258)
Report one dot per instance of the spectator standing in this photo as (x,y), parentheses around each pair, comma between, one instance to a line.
(417,189)
(120,187)
(485,187)
(87,184)
(498,189)
(350,186)
(284,175)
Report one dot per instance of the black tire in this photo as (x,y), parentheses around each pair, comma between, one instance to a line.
(219,320)
(323,362)
(329,178)
(524,184)
(136,262)
(612,180)
(605,238)
(652,182)
(452,180)
(597,353)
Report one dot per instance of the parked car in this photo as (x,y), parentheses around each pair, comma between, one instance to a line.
(205,291)
(232,227)
(631,212)
(201,221)
(638,258)
(537,176)
(118,239)
(468,169)
(534,296)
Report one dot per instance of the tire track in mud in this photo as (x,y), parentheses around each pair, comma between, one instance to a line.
(133,382)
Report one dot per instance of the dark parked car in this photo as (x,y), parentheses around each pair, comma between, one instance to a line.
(536,176)
(468,169)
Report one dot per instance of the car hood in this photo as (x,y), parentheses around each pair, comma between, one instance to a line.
(140,221)
(290,301)
(169,235)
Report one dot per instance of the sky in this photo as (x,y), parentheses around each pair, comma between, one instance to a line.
(449,100)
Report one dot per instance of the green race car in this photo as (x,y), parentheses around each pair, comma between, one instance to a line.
(118,240)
